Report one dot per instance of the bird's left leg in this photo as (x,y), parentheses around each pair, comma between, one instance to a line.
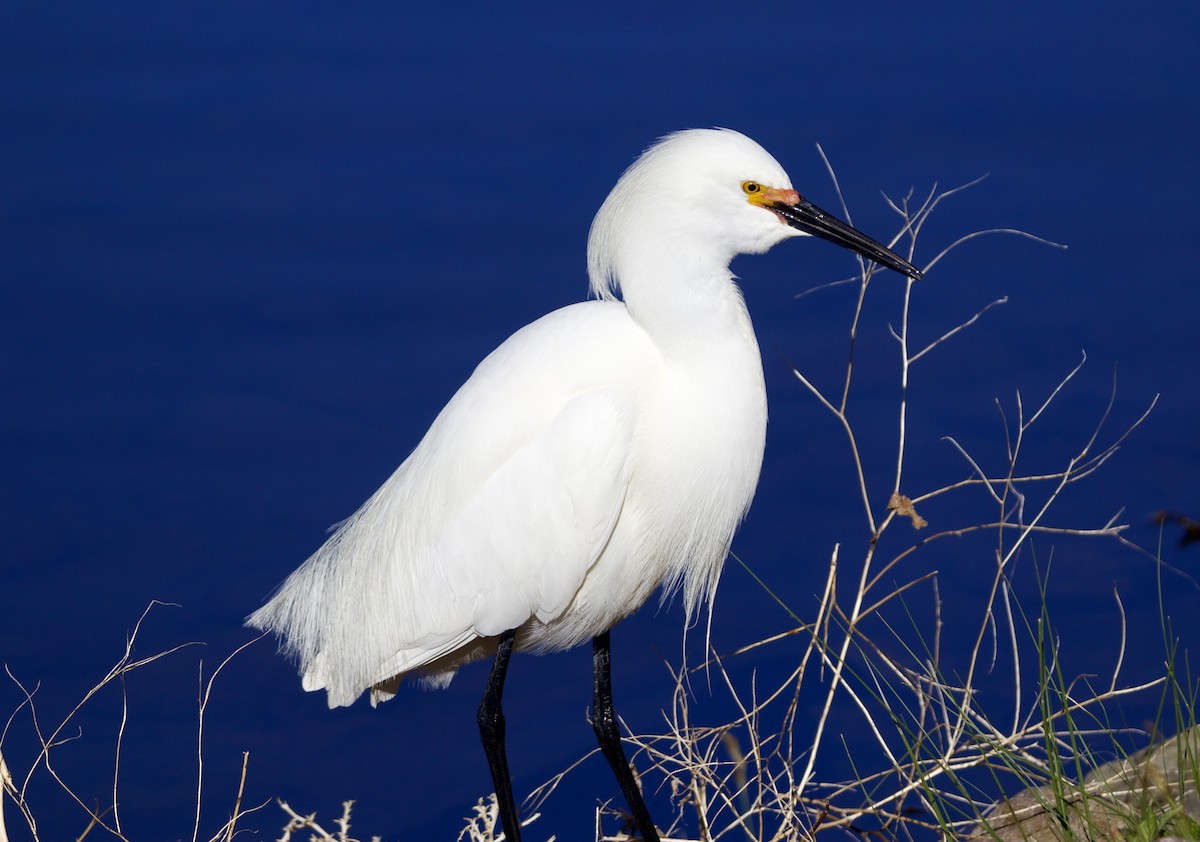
(608,732)
(491,730)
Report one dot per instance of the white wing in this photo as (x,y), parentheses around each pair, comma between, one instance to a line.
(493,520)
(523,543)
(522,546)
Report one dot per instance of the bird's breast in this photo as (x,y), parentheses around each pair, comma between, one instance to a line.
(706,433)
(697,457)
(698,431)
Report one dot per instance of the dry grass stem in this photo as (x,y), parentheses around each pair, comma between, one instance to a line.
(107,817)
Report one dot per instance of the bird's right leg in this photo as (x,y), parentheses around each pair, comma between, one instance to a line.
(491,730)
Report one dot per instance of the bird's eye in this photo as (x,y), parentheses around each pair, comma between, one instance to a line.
(752,188)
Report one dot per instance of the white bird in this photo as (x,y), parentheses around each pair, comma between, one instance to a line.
(606,449)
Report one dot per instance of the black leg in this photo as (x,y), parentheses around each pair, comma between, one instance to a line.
(491,729)
(604,721)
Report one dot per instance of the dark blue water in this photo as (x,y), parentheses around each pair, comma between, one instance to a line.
(247,251)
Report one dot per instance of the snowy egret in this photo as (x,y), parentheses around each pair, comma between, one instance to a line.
(606,449)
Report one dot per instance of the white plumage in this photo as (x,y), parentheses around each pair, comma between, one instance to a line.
(606,449)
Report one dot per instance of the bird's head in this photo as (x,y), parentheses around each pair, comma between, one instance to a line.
(705,196)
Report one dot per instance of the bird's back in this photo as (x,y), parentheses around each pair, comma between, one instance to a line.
(494,518)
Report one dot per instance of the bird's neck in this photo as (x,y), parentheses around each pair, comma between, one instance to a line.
(687,305)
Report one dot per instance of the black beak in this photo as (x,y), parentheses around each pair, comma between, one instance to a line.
(810,219)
